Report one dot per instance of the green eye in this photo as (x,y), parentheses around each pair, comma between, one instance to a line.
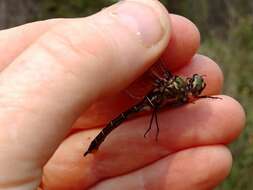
(197,84)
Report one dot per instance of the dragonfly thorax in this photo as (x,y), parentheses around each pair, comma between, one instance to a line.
(168,90)
(177,89)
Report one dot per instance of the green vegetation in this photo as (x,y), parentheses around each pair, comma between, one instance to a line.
(236,60)
(73,8)
(228,39)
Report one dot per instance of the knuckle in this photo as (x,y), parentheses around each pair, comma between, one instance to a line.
(81,39)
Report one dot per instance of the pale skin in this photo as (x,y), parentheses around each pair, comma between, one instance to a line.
(52,71)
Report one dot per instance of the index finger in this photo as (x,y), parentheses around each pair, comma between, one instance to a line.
(180,50)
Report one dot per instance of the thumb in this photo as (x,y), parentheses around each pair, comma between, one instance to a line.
(43,91)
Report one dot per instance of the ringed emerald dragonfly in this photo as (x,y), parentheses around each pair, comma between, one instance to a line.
(168,90)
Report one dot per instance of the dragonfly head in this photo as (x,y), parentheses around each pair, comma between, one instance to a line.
(196,84)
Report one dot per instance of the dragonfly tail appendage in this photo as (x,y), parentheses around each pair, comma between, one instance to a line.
(89,151)
(94,145)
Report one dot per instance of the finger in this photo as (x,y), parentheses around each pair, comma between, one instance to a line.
(207,122)
(197,168)
(15,40)
(99,114)
(44,90)
(184,42)
(180,50)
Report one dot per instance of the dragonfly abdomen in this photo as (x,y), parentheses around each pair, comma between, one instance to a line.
(112,125)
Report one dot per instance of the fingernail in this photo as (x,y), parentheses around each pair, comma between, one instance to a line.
(141,20)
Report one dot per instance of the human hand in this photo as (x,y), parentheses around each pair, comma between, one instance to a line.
(53,71)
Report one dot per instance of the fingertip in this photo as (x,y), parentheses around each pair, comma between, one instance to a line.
(218,164)
(141,37)
(236,116)
(215,162)
(224,156)
(229,119)
(184,42)
(207,166)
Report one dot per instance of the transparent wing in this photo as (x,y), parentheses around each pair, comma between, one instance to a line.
(139,88)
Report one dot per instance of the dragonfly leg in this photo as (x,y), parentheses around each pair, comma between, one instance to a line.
(157,126)
(150,124)
(211,97)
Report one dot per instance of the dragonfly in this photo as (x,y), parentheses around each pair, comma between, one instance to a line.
(169,90)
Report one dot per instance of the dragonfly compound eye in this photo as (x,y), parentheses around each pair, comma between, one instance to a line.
(197,84)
